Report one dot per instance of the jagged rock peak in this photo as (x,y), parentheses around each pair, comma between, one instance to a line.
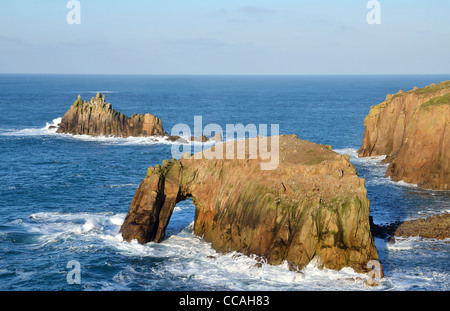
(98,118)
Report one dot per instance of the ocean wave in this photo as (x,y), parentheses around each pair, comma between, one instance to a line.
(402,244)
(119,186)
(50,130)
(181,256)
(47,223)
(188,257)
(353,153)
(377,169)
(102,92)
(402,183)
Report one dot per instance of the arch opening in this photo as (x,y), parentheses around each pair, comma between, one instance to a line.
(182,218)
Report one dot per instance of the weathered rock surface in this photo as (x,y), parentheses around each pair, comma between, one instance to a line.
(433,227)
(200,139)
(313,206)
(413,130)
(98,118)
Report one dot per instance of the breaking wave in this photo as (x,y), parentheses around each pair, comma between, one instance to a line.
(50,130)
(376,167)
(181,256)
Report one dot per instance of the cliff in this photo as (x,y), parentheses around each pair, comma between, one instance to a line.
(413,130)
(313,206)
(98,118)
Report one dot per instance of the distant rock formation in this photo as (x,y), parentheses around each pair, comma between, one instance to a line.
(200,139)
(312,207)
(98,118)
(432,227)
(413,130)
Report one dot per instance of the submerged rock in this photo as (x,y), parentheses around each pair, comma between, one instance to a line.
(312,207)
(98,118)
(413,130)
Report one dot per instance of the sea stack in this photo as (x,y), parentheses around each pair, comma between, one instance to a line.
(98,118)
(413,130)
(311,207)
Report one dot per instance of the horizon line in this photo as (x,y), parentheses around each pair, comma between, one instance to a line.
(227,74)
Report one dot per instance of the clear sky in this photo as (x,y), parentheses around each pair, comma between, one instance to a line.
(225,37)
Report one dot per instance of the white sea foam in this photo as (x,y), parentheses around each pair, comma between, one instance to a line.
(51,128)
(402,183)
(375,165)
(402,244)
(46,130)
(353,153)
(120,186)
(132,141)
(55,227)
(102,92)
(186,256)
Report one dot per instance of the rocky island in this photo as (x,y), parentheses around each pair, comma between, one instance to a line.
(312,207)
(413,130)
(98,118)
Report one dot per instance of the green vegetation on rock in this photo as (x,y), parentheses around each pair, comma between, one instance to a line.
(433,88)
(436,101)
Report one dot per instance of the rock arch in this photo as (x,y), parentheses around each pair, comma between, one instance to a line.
(313,206)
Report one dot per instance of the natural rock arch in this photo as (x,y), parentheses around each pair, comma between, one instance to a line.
(313,206)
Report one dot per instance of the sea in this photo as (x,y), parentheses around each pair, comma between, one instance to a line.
(63,198)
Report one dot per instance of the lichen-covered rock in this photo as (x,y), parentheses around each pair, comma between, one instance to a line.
(98,118)
(413,130)
(313,206)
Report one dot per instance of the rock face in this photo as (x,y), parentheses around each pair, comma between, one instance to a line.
(413,130)
(98,118)
(313,206)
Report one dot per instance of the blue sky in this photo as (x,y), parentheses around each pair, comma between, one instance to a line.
(225,37)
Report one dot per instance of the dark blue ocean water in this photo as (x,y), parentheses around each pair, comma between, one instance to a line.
(63,198)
